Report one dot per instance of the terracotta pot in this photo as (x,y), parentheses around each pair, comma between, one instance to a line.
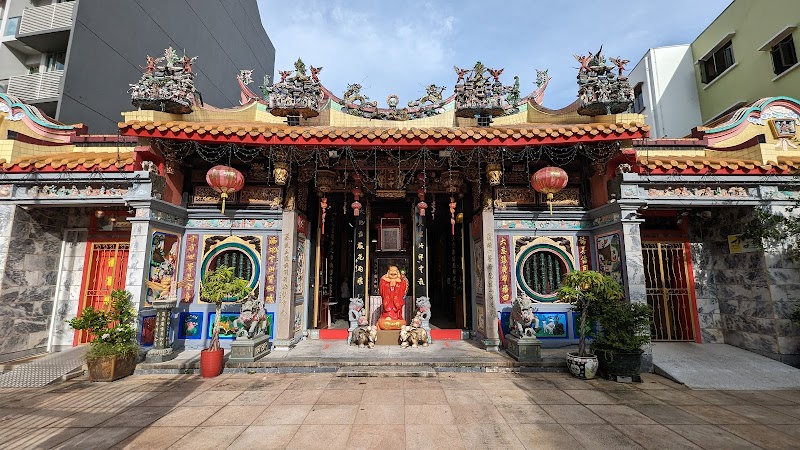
(583,367)
(211,362)
(110,368)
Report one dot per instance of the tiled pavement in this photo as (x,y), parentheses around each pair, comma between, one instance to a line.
(453,410)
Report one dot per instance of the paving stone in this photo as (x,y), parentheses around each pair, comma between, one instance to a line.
(590,397)
(186,416)
(154,438)
(524,414)
(668,414)
(281,415)
(763,436)
(710,436)
(41,438)
(208,438)
(621,415)
(298,397)
(425,397)
(480,436)
(380,414)
(264,437)
(383,397)
(551,397)
(323,437)
(234,415)
(506,396)
(572,414)
(544,436)
(332,414)
(763,415)
(433,437)
(600,437)
(97,438)
(386,437)
(467,397)
(716,414)
(138,416)
(474,414)
(213,398)
(255,398)
(428,414)
(656,437)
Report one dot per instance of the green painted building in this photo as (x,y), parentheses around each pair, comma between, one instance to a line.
(749,52)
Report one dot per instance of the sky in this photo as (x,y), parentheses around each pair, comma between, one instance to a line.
(399,47)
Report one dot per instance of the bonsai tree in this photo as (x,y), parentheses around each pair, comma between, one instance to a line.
(587,291)
(222,286)
(112,328)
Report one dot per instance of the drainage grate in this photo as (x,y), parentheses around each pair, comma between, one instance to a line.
(44,371)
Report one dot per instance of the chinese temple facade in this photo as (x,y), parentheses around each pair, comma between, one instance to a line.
(325,195)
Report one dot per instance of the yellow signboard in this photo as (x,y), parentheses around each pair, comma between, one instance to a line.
(738,245)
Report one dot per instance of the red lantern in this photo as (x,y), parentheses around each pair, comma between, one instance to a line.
(549,180)
(225,180)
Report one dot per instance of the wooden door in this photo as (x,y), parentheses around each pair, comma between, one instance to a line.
(105,270)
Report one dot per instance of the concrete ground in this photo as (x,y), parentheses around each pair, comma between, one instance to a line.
(451,410)
(721,366)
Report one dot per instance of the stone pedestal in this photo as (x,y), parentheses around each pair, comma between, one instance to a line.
(388,337)
(524,349)
(249,350)
(162,350)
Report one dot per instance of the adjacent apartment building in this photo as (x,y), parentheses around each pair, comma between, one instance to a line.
(748,53)
(663,85)
(69,57)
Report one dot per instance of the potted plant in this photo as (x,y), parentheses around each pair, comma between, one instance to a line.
(586,290)
(113,351)
(219,286)
(625,329)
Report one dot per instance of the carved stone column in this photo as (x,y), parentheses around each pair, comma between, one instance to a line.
(284,323)
(635,287)
(162,349)
(492,336)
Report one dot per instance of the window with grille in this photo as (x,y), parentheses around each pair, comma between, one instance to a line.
(638,99)
(720,61)
(784,55)
(540,273)
(241,263)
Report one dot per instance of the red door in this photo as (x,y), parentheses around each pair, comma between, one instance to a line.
(107,265)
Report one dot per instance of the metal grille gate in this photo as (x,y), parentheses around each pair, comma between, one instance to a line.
(669,291)
(108,266)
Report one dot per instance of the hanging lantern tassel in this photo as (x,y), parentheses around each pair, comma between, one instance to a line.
(549,180)
(224,196)
(452,216)
(324,205)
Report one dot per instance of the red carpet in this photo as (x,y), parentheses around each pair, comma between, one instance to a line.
(334,334)
(446,335)
(436,334)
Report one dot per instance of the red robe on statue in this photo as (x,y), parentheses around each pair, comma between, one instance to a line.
(393,288)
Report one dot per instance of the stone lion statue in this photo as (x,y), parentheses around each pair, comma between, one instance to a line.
(364,336)
(523,318)
(252,320)
(356,311)
(413,336)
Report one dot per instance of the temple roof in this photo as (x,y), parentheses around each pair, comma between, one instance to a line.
(258,133)
(73,162)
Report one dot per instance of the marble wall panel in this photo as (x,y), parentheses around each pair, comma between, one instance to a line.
(30,272)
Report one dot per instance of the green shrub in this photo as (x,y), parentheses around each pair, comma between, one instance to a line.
(112,328)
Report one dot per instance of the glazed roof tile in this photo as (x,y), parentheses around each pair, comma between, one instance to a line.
(72,161)
(701,165)
(262,133)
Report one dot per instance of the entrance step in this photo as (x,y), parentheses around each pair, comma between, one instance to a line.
(386,371)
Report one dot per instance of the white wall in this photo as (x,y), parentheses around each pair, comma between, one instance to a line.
(671,104)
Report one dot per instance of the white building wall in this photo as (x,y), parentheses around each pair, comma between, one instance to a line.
(671,105)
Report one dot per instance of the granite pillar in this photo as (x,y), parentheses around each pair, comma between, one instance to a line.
(284,323)
(491,339)
(634,277)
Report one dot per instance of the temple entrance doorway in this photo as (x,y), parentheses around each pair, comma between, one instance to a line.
(334,264)
(446,277)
